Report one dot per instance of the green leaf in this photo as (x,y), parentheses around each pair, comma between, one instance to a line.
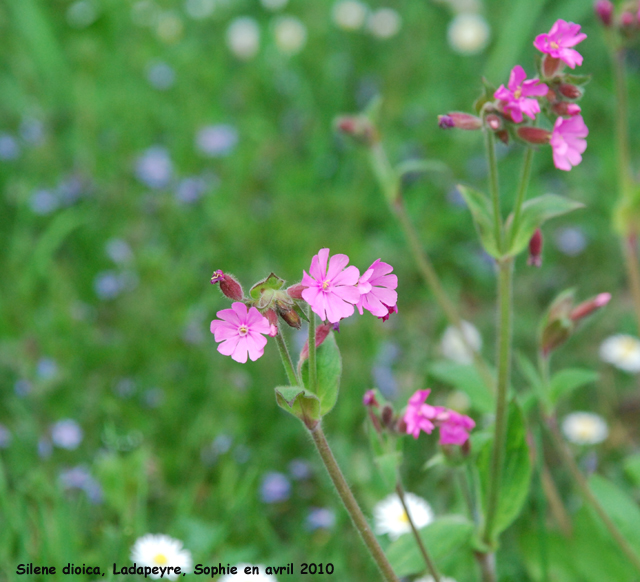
(632,468)
(300,403)
(482,213)
(329,365)
(536,212)
(577,79)
(272,282)
(623,511)
(422,166)
(300,312)
(441,538)
(466,379)
(388,465)
(516,471)
(566,381)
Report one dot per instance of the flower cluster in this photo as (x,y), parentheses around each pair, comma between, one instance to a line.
(332,289)
(420,416)
(626,21)
(555,93)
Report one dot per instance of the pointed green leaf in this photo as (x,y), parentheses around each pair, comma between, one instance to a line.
(441,538)
(329,363)
(388,465)
(466,379)
(536,212)
(301,312)
(566,381)
(272,282)
(422,166)
(300,403)
(632,468)
(480,207)
(577,79)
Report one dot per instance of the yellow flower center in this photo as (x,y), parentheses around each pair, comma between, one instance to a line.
(403,518)
(243,330)
(586,430)
(554,45)
(627,347)
(325,285)
(517,93)
(160,559)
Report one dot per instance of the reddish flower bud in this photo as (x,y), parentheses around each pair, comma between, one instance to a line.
(369,398)
(627,19)
(551,96)
(503,136)
(494,121)
(358,127)
(289,314)
(589,306)
(387,416)
(535,249)
(228,285)
(551,66)
(534,135)
(565,108)
(295,291)
(604,11)
(271,315)
(390,310)
(322,331)
(570,91)
(460,121)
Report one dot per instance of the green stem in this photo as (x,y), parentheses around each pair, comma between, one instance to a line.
(487,563)
(542,506)
(505,283)
(588,495)
(494,186)
(313,370)
(431,566)
(286,360)
(630,252)
(522,191)
(351,505)
(622,124)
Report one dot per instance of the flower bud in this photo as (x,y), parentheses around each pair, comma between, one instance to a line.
(503,136)
(535,249)
(460,121)
(570,91)
(604,11)
(358,127)
(534,135)
(289,314)
(588,307)
(565,109)
(555,334)
(295,291)
(493,121)
(551,66)
(369,398)
(387,415)
(627,19)
(551,96)
(228,285)
(272,317)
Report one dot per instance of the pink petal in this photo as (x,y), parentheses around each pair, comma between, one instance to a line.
(241,311)
(257,322)
(388,281)
(387,296)
(349,276)
(337,309)
(349,294)
(225,332)
(517,76)
(336,264)
(240,353)
(310,294)
(307,281)
(230,316)
(226,348)
(503,93)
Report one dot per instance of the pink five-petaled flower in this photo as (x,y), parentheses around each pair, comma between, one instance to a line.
(454,427)
(562,36)
(567,141)
(331,292)
(240,332)
(515,98)
(419,415)
(377,293)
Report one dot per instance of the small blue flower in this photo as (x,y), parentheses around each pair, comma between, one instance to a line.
(275,488)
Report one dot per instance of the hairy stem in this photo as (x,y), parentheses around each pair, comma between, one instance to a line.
(522,191)
(313,371)
(351,505)
(286,360)
(494,186)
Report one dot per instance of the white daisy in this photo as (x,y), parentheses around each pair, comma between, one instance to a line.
(162,551)
(350,14)
(384,23)
(623,351)
(390,517)
(454,348)
(242,577)
(468,34)
(243,38)
(290,34)
(585,428)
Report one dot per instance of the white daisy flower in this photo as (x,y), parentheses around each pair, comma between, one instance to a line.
(623,351)
(384,23)
(161,551)
(585,428)
(350,14)
(242,577)
(468,34)
(432,579)
(453,347)
(290,34)
(391,518)
(243,38)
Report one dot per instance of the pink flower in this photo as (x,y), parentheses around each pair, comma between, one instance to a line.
(419,415)
(376,287)
(562,36)
(240,332)
(567,141)
(454,427)
(516,95)
(331,292)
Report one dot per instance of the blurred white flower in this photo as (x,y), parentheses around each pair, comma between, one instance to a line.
(570,240)
(274,5)
(217,140)
(242,577)
(321,518)
(160,550)
(384,23)
(463,5)
(9,148)
(468,34)
(243,38)
(350,14)
(118,251)
(5,437)
(585,428)
(290,34)
(453,346)
(43,202)
(160,75)
(145,13)
(390,517)
(199,9)
(66,434)
(169,27)
(82,13)
(432,579)
(623,351)
(154,167)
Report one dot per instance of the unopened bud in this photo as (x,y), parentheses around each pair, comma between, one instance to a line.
(551,66)
(627,19)
(588,307)
(494,121)
(534,135)
(535,249)
(387,415)
(570,91)
(358,127)
(228,285)
(503,136)
(604,11)
(272,317)
(551,96)
(564,108)
(369,398)
(295,291)
(555,334)
(460,121)
(289,314)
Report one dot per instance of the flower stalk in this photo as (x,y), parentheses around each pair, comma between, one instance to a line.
(313,371)
(286,360)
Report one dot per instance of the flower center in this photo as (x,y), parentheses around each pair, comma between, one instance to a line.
(554,45)
(325,285)
(243,330)
(160,559)
(403,518)
(517,93)
(628,347)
